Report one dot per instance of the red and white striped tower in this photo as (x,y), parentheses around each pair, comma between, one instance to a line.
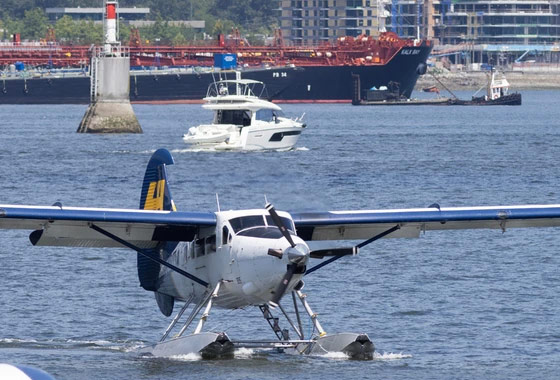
(110,110)
(110,25)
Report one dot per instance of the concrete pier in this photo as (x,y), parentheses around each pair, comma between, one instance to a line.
(105,117)
(110,110)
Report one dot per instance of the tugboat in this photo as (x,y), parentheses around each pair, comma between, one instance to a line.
(242,120)
(497,92)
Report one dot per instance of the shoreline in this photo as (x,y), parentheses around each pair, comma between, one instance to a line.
(473,80)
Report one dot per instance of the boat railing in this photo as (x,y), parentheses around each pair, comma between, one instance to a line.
(242,87)
(44,73)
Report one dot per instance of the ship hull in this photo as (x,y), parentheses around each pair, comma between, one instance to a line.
(284,84)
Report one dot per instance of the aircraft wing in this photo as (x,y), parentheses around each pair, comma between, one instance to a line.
(72,226)
(354,225)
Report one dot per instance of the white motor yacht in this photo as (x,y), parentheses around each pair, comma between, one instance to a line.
(243,121)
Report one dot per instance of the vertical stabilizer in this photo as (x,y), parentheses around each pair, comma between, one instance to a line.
(155,195)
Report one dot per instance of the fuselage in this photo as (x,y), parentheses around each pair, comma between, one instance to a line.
(235,253)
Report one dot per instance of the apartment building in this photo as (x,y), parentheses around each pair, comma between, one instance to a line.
(478,21)
(311,22)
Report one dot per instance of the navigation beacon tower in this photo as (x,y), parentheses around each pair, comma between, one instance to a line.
(110,110)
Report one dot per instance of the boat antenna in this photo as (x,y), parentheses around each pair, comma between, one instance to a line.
(218,201)
(265,200)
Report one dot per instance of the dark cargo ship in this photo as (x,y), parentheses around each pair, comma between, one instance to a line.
(182,74)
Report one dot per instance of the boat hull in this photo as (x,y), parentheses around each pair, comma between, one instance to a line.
(251,139)
(284,84)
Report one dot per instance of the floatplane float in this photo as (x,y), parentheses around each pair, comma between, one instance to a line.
(236,259)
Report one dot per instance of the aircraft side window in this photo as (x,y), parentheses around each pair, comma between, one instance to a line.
(210,244)
(225,233)
(199,247)
(191,250)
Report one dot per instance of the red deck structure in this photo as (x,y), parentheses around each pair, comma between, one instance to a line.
(362,50)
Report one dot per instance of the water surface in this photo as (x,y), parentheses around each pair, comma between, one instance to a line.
(463,304)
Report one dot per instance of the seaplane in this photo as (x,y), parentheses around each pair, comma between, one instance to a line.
(243,258)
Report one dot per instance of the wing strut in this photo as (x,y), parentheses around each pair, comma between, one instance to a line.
(148,255)
(362,244)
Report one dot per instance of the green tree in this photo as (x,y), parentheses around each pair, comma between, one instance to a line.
(12,26)
(35,24)
(179,39)
(65,29)
(89,33)
(222,27)
(249,16)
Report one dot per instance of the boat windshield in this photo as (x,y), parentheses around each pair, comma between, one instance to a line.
(268,115)
(237,117)
(255,225)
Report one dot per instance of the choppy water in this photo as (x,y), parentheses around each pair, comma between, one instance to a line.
(465,304)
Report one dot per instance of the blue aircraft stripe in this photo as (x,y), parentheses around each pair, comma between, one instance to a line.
(122,216)
(425,216)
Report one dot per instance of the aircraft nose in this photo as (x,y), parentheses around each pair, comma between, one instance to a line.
(298,254)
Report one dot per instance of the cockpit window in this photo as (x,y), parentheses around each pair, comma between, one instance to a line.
(244,222)
(287,223)
(262,232)
(252,221)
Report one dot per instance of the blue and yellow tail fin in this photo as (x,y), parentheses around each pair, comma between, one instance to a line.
(155,193)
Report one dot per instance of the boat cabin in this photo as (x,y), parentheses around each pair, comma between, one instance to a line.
(245,117)
(497,87)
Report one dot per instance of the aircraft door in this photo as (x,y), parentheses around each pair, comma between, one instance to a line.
(226,249)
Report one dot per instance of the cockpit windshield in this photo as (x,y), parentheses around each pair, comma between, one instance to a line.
(259,226)
(243,222)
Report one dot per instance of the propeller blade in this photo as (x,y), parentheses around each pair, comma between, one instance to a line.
(275,252)
(276,219)
(321,253)
(281,289)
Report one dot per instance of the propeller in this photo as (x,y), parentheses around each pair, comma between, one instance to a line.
(317,254)
(297,255)
(278,221)
(281,288)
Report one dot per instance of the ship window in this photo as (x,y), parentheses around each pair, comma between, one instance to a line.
(268,115)
(265,115)
(237,117)
(278,136)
